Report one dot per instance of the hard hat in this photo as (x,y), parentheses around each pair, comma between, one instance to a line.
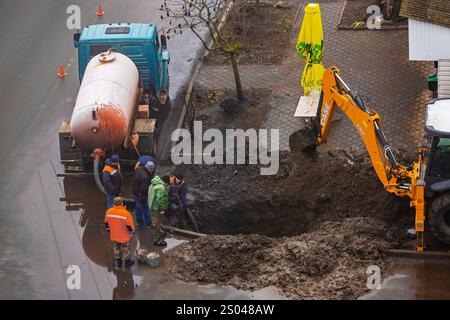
(150,166)
(115,158)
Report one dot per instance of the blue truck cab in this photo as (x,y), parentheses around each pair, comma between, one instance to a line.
(139,42)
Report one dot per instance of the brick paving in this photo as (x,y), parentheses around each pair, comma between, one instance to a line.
(252,77)
(375,63)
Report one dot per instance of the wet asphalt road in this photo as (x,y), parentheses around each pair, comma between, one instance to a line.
(39,236)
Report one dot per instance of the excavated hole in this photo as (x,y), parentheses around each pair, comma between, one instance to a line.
(306,192)
(256,218)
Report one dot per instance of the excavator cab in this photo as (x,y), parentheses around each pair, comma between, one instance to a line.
(439,168)
(437,161)
(437,127)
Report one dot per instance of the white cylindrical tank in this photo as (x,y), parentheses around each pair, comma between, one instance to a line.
(106,102)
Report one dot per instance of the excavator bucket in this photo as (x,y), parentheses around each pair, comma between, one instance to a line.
(303,140)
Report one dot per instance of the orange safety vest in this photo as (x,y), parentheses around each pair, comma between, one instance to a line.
(118,218)
(110,169)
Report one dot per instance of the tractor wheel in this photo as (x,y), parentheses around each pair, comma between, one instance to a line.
(439,217)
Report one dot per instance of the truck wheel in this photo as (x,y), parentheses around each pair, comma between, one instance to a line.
(440,217)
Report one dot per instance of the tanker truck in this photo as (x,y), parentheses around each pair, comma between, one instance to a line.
(123,70)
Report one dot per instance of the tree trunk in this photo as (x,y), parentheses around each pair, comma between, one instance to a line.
(237,78)
(396,10)
(393,14)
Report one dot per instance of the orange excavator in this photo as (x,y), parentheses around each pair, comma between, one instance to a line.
(426,182)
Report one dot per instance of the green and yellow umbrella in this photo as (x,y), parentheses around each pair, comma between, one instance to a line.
(310,48)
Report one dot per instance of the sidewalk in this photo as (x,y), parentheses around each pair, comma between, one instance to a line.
(375,63)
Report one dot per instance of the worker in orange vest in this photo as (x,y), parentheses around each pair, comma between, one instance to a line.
(119,223)
(177,191)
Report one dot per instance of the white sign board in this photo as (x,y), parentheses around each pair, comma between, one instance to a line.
(307,107)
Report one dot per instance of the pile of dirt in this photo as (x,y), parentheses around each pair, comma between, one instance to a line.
(333,208)
(329,263)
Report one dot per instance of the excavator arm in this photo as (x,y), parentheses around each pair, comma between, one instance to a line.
(395,177)
(367,122)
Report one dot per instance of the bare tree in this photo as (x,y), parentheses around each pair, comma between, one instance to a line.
(391,9)
(203,17)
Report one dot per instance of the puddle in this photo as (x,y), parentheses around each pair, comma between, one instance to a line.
(413,278)
(83,201)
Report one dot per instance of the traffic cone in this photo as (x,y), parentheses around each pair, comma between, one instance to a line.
(62,73)
(100,11)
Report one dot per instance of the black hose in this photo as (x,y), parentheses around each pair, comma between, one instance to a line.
(386,147)
(98,182)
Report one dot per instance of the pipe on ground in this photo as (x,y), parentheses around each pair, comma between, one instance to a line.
(98,182)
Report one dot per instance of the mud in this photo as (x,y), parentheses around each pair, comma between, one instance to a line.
(263,34)
(327,263)
(311,230)
(220,110)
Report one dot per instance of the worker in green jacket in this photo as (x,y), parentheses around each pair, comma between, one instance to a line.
(158,202)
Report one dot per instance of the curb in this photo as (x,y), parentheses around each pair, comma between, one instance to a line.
(404,253)
(190,89)
(341,13)
(297,14)
(385,28)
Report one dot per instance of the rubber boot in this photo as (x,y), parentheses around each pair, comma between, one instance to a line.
(119,263)
(162,233)
(129,263)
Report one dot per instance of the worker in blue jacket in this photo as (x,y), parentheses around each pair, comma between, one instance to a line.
(112,179)
(144,172)
(143,160)
(142,179)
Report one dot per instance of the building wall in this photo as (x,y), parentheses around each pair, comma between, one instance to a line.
(444,79)
(428,42)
